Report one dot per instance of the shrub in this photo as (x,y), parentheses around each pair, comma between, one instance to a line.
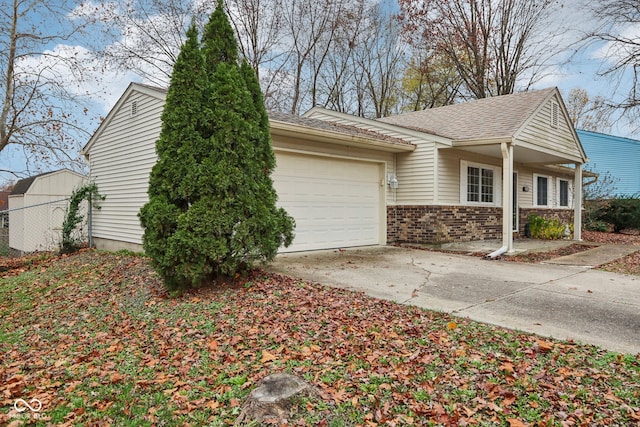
(548,229)
(622,213)
(592,225)
(212,205)
(591,213)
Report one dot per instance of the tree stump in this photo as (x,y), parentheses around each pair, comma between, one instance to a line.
(273,398)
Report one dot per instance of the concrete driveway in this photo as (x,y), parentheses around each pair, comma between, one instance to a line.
(560,301)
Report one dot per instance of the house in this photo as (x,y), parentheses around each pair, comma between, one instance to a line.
(618,156)
(37,207)
(430,176)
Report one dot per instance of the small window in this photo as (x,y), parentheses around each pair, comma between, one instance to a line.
(563,193)
(541,191)
(478,183)
(555,111)
(134,108)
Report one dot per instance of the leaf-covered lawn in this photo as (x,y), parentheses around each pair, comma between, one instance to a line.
(97,341)
(627,265)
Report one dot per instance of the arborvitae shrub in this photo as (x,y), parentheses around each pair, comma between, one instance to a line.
(212,206)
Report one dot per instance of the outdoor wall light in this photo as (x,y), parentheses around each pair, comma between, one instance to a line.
(392,180)
(525,188)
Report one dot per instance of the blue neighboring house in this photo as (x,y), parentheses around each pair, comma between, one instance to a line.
(614,154)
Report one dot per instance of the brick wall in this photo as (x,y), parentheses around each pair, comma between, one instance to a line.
(441,224)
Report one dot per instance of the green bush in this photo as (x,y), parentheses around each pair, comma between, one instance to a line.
(593,225)
(591,213)
(622,213)
(547,229)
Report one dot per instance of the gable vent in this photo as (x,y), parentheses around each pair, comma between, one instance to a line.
(555,111)
(134,108)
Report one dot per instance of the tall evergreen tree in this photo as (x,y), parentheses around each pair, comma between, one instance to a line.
(212,206)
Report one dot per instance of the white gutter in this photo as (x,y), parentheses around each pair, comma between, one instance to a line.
(507,201)
(497,253)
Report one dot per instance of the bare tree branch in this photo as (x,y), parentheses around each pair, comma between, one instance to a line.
(42,79)
(492,44)
(617,32)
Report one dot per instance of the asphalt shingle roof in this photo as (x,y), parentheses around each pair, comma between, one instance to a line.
(333,127)
(495,117)
(23,185)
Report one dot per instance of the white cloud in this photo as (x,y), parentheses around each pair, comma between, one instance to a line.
(77,72)
(613,52)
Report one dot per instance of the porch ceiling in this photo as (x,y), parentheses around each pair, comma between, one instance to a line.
(521,154)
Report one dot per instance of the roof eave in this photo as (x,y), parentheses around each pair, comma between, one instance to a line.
(380,125)
(288,129)
(459,143)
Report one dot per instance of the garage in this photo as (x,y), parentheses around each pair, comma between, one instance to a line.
(335,202)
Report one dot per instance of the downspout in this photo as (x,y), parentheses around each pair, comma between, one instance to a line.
(577,203)
(507,201)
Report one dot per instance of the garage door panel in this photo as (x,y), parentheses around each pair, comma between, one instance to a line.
(335,202)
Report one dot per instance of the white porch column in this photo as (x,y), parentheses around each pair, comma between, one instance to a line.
(507,196)
(577,203)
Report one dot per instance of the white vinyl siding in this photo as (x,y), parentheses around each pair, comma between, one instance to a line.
(540,132)
(415,170)
(452,176)
(121,161)
(122,155)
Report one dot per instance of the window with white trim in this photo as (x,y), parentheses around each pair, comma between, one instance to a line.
(541,193)
(479,184)
(564,193)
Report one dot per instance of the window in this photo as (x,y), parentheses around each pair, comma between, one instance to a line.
(563,193)
(478,183)
(541,190)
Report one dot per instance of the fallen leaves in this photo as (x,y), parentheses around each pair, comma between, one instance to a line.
(628,237)
(96,339)
(267,357)
(516,423)
(543,346)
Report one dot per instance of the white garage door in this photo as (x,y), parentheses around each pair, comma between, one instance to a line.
(336,202)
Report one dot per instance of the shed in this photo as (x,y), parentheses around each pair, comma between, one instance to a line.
(37,207)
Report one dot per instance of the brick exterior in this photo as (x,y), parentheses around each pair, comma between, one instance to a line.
(441,224)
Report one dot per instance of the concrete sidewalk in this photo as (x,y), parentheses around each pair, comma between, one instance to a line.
(560,301)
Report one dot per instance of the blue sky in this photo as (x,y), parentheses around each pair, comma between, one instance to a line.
(581,70)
